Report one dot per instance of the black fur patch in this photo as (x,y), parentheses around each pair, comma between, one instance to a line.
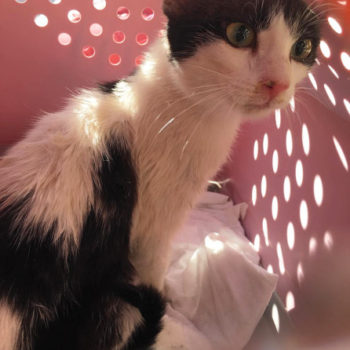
(195,23)
(108,87)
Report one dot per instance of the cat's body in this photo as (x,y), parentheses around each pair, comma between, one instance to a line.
(90,199)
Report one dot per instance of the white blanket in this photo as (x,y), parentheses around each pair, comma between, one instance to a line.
(216,290)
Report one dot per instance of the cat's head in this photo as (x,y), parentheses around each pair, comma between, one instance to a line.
(249,53)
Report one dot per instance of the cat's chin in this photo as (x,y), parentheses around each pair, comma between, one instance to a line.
(262,110)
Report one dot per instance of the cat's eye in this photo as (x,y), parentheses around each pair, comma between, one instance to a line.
(301,50)
(240,34)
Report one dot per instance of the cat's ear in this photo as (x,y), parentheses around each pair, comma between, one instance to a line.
(177,8)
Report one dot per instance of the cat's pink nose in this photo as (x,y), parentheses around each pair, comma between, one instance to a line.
(274,88)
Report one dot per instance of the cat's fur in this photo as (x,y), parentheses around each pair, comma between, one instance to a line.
(91,197)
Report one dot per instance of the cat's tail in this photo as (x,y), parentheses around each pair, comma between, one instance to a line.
(151,304)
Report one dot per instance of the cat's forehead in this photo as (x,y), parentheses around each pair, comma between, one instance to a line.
(258,13)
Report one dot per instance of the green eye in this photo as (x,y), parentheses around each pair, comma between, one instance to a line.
(240,34)
(301,50)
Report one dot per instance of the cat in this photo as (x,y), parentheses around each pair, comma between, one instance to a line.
(92,196)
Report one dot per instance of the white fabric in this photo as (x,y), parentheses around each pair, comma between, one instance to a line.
(217,292)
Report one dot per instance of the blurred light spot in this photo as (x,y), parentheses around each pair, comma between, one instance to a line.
(290,301)
(312,246)
(64,39)
(74,16)
(280,259)
(266,144)
(335,25)
(330,94)
(313,81)
(304,215)
(306,139)
(147,14)
(89,51)
(21,1)
(275,161)
(41,20)
(276,317)
(278,118)
(142,39)
(328,240)
(96,29)
(299,173)
(287,189)
(270,269)
(254,195)
(326,51)
(347,105)
(257,243)
(215,245)
(256,150)
(292,104)
(300,273)
(263,186)
(119,37)
(318,61)
(289,143)
(99,4)
(318,190)
(345,58)
(291,236)
(55,2)
(123,13)
(139,60)
(333,71)
(274,208)
(266,232)
(114,59)
(341,153)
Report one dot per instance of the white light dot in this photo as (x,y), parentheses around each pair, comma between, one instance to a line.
(304,215)
(290,301)
(292,104)
(74,16)
(263,186)
(41,20)
(275,161)
(300,273)
(266,232)
(99,4)
(254,195)
(257,243)
(299,173)
(318,190)
(345,58)
(280,259)
(334,72)
(270,269)
(256,149)
(313,81)
(278,118)
(328,240)
(291,236)
(306,139)
(64,39)
(330,94)
(287,189)
(341,153)
(21,1)
(274,208)
(96,29)
(325,49)
(289,143)
(312,246)
(276,317)
(55,2)
(266,144)
(335,25)
(347,105)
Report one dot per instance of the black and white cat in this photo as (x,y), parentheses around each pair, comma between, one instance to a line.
(91,197)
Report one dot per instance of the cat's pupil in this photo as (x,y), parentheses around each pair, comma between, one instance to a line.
(242,33)
(300,48)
